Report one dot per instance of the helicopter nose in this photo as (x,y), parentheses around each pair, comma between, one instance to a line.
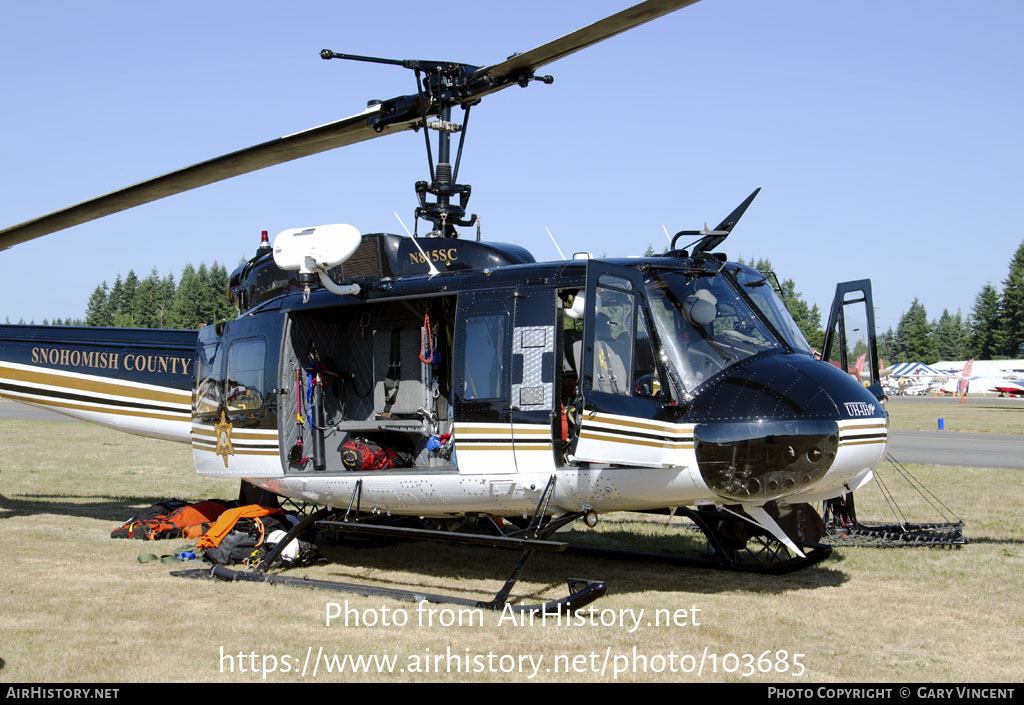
(771,427)
(764,460)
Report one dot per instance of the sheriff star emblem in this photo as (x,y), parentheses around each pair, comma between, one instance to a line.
(223,431)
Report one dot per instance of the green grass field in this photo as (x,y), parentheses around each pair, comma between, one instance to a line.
(978,417)
(77,606)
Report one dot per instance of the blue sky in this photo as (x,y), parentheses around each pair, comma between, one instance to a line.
(885,135)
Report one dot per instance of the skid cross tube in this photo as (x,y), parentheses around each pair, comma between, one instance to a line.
(542,507)
(356,498)
(404,532)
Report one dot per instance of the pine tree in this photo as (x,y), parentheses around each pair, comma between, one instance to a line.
(97,311)
(207,309)
(187,309)
(949,342)
(913,341)
(886,343)
(1011,328)
(219,278)
(965,336)
(985,321)
(156,302)
(113,305)
(131,288)
(145,304)
(126,316)
(165,298)
(807,318)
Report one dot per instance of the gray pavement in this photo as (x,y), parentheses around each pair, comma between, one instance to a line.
(24,412)
(983,450)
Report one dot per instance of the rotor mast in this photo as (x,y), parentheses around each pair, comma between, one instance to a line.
(443,185)
(440,86)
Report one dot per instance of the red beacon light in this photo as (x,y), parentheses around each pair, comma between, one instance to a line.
(264,241)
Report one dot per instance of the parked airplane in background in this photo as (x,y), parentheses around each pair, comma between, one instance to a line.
(980,385)
(1011,388)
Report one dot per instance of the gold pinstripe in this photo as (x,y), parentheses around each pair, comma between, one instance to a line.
(651,443)
(236,435)
(101,409)
(94,386)
(238,451)
(661,428)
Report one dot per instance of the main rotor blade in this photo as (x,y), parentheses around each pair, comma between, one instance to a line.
(396,115)
(340,133)
(525,63)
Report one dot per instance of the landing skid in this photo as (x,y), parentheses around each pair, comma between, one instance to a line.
(844,529)
(581,592)
(758,553)
(772,558)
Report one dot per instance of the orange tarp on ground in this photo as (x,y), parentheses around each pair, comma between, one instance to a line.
(227,521)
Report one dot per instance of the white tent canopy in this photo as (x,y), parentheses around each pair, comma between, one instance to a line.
(915,369)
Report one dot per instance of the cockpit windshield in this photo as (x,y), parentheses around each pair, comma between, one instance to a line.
(756,286)
(704,325)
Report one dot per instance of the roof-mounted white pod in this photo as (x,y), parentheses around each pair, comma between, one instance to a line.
(326,245)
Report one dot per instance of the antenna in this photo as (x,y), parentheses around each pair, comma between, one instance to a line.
(402,223)
(667,236)
(433,269)
(560,253)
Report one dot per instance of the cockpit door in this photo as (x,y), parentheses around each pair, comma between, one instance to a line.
(851,333)
(620,409)
(608,329)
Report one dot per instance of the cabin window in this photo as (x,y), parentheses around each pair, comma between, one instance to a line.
(485,344)
(613,339)
(645,368)
(245,374)
(209,390)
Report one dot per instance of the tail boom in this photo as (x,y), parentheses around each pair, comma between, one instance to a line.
(134,380)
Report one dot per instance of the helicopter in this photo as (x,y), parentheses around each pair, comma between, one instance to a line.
(441,377)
